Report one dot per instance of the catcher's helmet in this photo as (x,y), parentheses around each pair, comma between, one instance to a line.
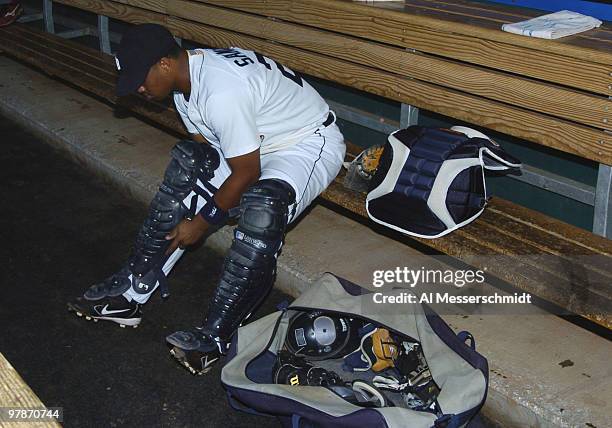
(320,335)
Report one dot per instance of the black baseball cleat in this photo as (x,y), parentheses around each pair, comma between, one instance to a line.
(116,309)
(196,350)
(104,301)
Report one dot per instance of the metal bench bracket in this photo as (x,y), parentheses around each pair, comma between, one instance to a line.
(48,16)
(409,115)
(103,35)
(602,217)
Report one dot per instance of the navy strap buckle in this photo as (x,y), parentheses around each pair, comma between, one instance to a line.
(443,421)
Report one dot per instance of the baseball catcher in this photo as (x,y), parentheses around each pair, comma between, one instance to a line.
(263,145)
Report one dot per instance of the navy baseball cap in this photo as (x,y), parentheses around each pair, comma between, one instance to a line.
(140,48)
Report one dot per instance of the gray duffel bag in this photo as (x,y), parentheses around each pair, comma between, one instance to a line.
(458,370)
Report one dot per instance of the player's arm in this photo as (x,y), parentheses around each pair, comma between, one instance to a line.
(246,170)
(198,138)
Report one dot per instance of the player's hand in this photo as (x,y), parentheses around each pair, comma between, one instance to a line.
(186,233)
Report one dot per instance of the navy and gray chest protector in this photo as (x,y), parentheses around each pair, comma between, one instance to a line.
(430,181)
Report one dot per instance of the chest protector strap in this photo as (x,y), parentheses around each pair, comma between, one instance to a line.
(430,181)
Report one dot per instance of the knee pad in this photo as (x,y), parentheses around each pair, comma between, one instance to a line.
(250,266)
(264,213)
(186,178)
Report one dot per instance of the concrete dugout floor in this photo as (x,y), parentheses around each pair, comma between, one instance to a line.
(62,230)
(529,386)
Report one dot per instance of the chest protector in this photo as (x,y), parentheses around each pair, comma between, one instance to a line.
(430,181)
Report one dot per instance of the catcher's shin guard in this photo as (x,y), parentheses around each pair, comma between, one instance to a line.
(250,266)
(184,190)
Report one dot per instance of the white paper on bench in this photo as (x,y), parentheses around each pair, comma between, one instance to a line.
(553,25)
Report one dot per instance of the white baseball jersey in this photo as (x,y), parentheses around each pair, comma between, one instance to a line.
(241,101)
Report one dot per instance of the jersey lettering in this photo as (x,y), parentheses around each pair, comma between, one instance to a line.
(224,51)
(263,60)
(232,53)
(244,61)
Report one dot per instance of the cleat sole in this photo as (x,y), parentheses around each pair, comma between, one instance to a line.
(181,358)
(122,322)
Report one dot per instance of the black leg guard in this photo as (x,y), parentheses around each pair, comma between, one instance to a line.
(175,200)
(250,266)
(248,275)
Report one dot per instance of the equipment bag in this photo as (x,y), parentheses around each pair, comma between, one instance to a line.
(430,181)
(461,374)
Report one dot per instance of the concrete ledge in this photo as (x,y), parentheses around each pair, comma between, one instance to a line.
(529,387)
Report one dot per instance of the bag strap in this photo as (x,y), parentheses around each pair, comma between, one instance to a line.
(492,156)
(447,421)
(465,335)
(295,420)
(237,405)
(443,421)
(298,422)
(451,420)
(282,306)
(458,420)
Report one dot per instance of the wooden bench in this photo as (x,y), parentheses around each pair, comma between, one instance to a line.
(444,56)
(15,393)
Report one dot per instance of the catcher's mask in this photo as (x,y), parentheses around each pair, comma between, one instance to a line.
(320,335)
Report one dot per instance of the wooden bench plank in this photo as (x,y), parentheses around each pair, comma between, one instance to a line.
(89,56)
(488,15)
(539,96)
(563,272)
(83,75)
(564,282)
(441,22)
(547,241)
(14,392)
(531,244)
(55,65)
(467,43)
(103,74)
(565,136)
(533,274)
(119,11)
(153,5)
(577,236)
(493,16)
(562,135)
